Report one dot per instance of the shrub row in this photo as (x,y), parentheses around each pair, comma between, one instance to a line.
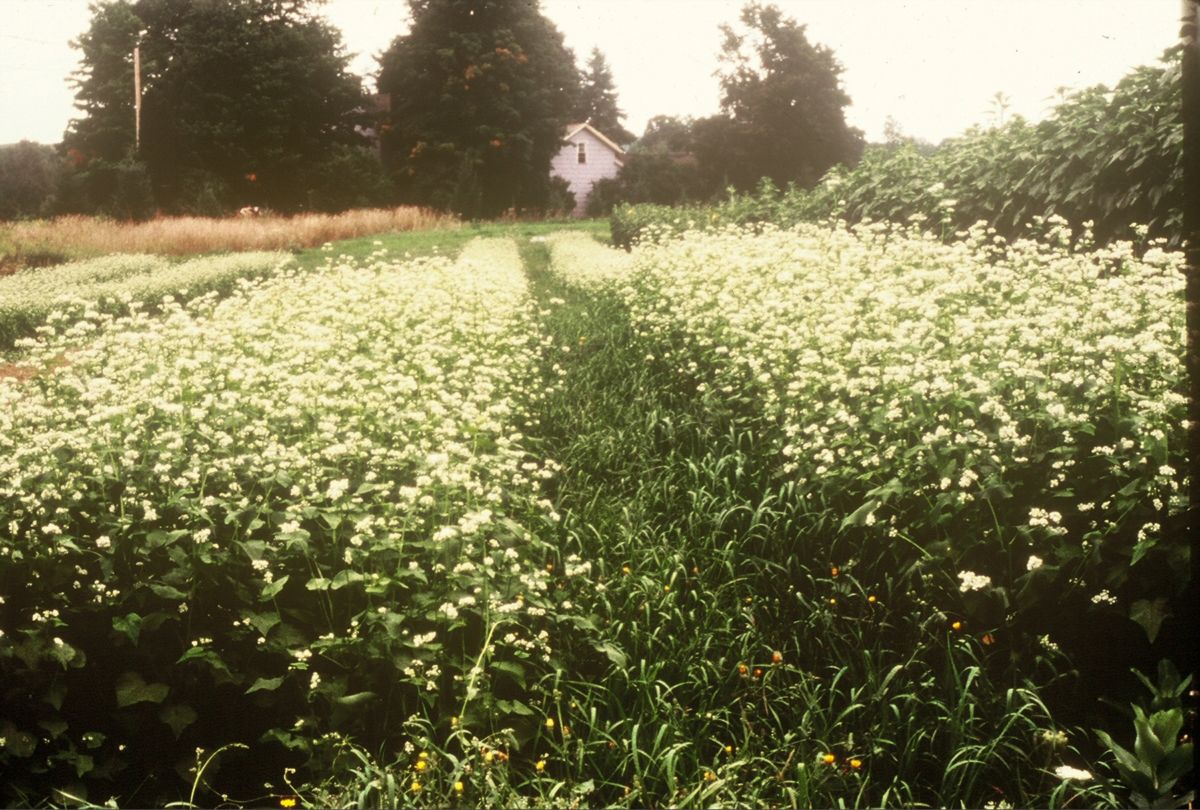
(114,284)
(1112,158)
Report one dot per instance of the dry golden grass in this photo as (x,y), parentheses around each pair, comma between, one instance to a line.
(78,235)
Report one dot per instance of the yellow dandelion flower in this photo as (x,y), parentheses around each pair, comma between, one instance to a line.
(625,569)
(288,801)
(871,599)
(729,749)
(415,787)
(777,657)
(459,787)
(855,764)
(709,776)
(829,759)
(541,765)
(549,723)
(421,765)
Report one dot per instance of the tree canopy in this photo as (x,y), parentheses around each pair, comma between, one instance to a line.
(481,92)
(782,103)
(244,101)
(598,100)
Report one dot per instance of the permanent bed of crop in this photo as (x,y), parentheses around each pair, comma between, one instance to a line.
(802,518)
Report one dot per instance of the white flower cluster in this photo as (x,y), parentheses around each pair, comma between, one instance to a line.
(970,581)
(578,259)
(943,370)
(77,297)
(381,397)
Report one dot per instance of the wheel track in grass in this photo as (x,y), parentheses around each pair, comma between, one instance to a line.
(655,493)
(722,676)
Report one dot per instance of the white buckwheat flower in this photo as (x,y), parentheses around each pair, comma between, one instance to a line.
(972,581)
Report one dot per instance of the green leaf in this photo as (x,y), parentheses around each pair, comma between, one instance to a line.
(1174,765)
(1150,615)
(514,707)
(1166,725)
(130,625)
(1142,548)
(357,698)
(1148,747)
(859,516)
(317,584)
(512,669)
(54,725)
(268,684)
(262,622)
(344,578)
(271,589)
(159,538)
(84,764)
(167,592)
(1130,766)
(178,716)
(614,653)
(132,688)
(18,743)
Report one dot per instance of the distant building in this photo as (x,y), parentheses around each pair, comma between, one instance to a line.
(587,156)
(379,107)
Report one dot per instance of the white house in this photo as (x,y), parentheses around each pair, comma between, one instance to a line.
(586,156)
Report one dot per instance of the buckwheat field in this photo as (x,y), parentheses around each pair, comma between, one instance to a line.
(821,516)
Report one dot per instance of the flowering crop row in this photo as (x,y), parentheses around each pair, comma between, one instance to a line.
(31,297)
(580,260)
(308,501)
(1012,411)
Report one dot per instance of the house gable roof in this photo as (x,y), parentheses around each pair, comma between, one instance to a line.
(575,129)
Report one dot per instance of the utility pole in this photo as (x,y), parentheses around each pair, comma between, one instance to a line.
(1189,36)
(137,94)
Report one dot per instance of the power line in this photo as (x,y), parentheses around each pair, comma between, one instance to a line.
(31,39)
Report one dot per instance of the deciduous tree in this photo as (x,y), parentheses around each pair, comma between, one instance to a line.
(783,104)
(481,92)
(243,100)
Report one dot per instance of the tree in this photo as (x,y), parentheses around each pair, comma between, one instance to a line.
(243,100)
(667,133)
(481,93)
(598,100)
(29,175)
(783,105)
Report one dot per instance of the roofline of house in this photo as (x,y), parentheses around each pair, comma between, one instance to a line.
(574,129)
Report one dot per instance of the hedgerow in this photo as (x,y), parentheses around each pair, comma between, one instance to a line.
(1109,157)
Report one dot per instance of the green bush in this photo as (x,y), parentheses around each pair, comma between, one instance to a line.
(1105,161)
(119,189)
(29,178)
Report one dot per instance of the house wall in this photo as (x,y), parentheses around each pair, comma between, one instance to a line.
(601,162)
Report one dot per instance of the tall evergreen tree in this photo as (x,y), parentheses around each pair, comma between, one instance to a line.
(481,91)
(783,105)
(242,99)
(598,100)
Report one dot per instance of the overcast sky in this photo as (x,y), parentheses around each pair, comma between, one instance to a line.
(932,65)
